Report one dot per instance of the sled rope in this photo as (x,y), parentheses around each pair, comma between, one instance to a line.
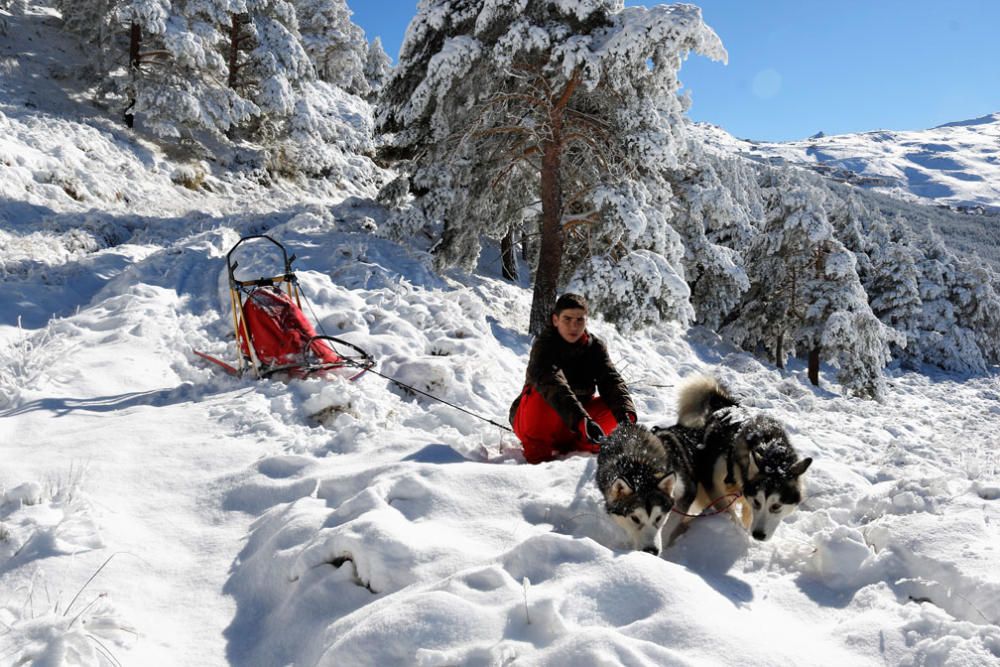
(403,385)
(399,383)
(735,497)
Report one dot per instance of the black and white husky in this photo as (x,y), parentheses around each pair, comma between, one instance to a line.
(642,477)
(739,452)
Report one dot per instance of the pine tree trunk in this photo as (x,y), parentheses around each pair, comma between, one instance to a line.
(551,249)
(235,28)
(508,255)
(551,246)
(779,351)
(814,366)
(135,40)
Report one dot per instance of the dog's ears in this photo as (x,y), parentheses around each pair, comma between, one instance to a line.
(666,484)
(619,489)
(800,467)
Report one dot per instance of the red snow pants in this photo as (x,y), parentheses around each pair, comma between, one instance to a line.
(541,430)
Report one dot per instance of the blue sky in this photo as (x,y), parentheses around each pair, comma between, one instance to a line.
(797,67)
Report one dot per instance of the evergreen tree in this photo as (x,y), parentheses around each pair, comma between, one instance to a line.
(180,87)
(336,46)
(941,338)
(378,67)
(271,67)
(161,61)
(977,305)
(571,108)
(893,286)
(779,262)
(839,325)
(713,227)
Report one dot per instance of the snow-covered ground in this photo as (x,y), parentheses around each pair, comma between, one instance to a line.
(154,511)
(337,523)
(956,164)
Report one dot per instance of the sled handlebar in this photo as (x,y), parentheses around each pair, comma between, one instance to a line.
(231,265)
(265,282)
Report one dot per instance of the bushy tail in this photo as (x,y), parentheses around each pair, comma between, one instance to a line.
(699,397)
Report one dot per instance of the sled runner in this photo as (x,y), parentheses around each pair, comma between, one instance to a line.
(273,335)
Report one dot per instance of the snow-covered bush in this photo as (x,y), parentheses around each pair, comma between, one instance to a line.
(191,176)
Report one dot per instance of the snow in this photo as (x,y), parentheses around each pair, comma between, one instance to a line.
(154,511)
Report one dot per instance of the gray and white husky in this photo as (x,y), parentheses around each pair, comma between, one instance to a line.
(642,477)
(740,452)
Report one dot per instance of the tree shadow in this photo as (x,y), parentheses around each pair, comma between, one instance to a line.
(157,398)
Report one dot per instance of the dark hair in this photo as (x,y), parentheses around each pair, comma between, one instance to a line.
(568,301)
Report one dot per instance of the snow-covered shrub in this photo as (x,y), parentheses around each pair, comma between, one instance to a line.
(191,176)
(24,359)
(83,633)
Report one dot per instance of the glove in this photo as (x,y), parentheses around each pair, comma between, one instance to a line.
(630,417)
(593,431)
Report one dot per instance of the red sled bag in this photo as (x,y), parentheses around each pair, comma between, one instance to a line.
(282,336)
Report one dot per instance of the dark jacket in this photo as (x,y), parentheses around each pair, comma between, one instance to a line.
(566,373)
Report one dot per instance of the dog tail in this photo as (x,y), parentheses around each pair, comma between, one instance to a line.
(699,397)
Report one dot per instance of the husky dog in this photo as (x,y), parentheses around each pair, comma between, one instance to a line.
(740,452)
(641,478)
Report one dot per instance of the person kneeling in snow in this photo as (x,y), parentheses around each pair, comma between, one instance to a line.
(557,409)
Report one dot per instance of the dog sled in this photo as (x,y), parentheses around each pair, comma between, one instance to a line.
(273,336)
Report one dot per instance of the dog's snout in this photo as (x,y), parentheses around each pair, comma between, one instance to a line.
(759,535)
(651,550)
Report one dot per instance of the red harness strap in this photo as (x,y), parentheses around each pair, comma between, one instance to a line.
(735,497)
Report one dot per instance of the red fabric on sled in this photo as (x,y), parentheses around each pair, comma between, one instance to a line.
(280,331)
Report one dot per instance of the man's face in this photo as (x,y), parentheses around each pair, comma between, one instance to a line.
(570,323)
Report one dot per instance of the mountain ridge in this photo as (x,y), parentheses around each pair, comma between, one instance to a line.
(956,164)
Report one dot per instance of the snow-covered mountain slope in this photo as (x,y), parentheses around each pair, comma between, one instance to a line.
(956,164)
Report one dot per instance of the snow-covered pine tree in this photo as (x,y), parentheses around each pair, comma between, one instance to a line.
(713,227)
(941,338)
(378,67)
(569,105)
(893,286)
(778,263)
(839,325)
(184,89)
(160,61)
(805,294)
(309,126)
(336,45)
(98,25)
(270,64)
(974,291)
(852,221)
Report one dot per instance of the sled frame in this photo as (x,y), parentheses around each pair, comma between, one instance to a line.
(287,282)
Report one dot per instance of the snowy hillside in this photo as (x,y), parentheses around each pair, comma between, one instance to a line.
(956,164)
(157,512)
